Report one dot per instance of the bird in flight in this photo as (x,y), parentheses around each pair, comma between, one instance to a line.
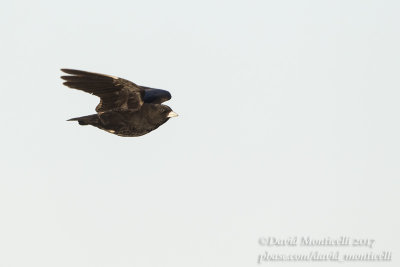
(125,109)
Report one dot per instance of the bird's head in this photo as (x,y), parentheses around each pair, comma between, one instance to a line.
(158,114)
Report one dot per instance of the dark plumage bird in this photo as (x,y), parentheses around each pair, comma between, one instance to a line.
(125,109)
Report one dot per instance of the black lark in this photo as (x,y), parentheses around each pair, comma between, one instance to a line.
(125,109)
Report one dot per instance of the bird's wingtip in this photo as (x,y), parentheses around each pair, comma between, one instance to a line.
(66,70)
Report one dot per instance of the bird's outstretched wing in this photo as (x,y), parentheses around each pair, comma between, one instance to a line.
(115,93)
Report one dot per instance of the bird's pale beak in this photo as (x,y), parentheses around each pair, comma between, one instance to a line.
(172,114)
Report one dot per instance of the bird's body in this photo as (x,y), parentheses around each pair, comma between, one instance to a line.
(125,109)
(128,123)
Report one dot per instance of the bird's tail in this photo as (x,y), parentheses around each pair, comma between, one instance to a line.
(86,120)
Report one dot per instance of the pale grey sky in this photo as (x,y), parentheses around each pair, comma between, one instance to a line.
(288,126)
